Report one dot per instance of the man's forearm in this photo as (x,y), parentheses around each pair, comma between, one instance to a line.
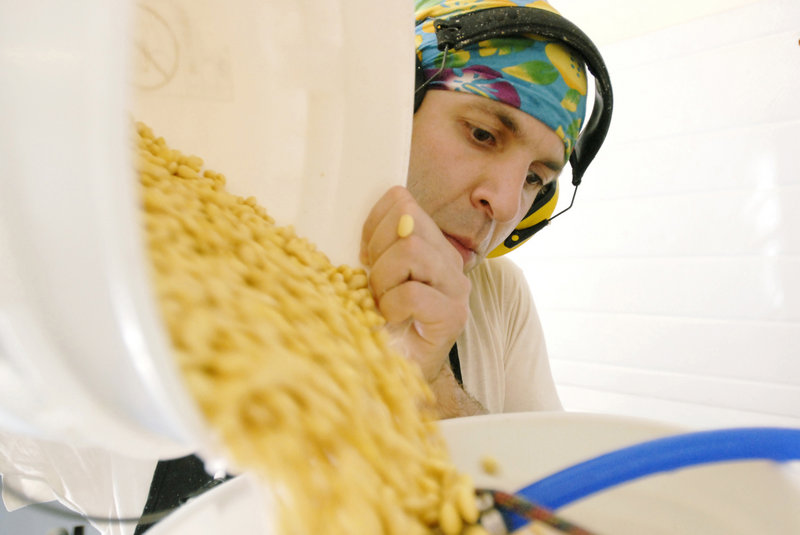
(452,400)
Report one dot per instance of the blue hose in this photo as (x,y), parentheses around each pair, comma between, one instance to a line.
(660,455)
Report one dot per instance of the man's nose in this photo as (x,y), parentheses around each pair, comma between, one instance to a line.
(499,191)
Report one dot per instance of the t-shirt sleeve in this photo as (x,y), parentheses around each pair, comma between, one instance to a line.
(529,384)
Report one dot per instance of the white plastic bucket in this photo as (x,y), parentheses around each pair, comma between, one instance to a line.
(305,105)
(727,498)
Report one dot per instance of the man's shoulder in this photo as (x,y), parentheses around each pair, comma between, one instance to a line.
(498,275)
(495,268)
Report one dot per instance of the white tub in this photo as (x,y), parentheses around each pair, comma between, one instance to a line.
(728,498)
(306,105)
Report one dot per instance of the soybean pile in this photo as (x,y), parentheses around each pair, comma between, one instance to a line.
(287,358)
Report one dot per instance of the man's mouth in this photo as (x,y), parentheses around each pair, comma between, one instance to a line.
(464,246)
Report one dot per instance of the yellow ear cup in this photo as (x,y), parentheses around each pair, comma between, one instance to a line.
(536,219)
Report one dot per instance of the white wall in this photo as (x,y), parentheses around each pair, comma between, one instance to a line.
(672,289)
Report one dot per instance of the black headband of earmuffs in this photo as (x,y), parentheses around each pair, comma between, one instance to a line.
(469,28)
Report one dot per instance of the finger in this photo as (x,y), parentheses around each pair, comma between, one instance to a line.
(439,317)
(385,235)
(381,228)
(381,210)
(384,231)
(415,259)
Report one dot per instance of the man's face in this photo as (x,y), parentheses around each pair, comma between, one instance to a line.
(476,166)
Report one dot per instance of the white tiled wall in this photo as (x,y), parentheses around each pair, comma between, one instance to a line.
(672,289)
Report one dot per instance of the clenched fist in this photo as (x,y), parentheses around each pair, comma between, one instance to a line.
(417,280)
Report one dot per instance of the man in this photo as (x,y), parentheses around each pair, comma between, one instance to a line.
(496,125)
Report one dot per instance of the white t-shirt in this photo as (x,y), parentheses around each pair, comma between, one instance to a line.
(502,352)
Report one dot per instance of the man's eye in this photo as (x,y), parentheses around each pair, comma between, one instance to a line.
(533,179)
(481,135)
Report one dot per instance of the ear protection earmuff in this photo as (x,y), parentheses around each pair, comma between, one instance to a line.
(469,28)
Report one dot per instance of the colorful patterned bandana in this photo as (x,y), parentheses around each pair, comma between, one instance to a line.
(539,77)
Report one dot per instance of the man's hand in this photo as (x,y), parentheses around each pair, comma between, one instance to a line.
(417,281)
